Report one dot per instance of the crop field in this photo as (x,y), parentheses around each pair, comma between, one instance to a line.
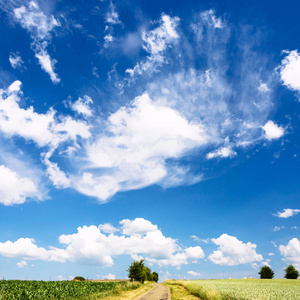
(44,290)
(242,289)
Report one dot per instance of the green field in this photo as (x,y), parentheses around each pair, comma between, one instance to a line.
(241,289)
(44,290)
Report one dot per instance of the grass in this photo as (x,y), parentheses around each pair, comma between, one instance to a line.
(179,292)
(240,289)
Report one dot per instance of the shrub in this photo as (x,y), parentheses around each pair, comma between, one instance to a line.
(266,273)
(79,278)
(291,273)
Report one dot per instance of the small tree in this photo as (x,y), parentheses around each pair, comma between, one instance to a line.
(136,271)
(291,273)
(266,273)
(155,276)
(148,273)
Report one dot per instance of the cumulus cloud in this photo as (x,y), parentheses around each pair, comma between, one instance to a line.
(15,60)
(222,152)
(90,246)
(39,26)
(139,226)
(22,264)
(156,42)
(44,129)
(291,252)
(27,249)
(108,228)
(193,273)
(287,212)
(290,70)
(82,106)
(109,276)
(140,138)
(233,252)
(272,131)
(15,189)
(47,130)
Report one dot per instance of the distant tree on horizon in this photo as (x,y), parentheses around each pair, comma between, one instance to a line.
(266,273)
(137,271)
(291,272)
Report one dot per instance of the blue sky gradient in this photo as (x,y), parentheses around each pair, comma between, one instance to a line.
(166,131)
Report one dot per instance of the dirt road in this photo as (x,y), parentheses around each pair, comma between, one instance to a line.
(159,292)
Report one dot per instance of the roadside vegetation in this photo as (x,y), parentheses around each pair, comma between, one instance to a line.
(237,289)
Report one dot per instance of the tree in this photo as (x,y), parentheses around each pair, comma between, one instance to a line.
(266,273)
(148,273)
(136,271)
(155,276)
(291,273)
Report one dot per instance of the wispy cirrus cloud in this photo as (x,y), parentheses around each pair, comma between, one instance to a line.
(39,27)
(155,43)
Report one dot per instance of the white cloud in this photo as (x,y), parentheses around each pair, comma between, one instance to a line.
(193,273)
(291,252)
(254,265)
(233,252)
(56,175)
(270,254)
(109,276)
(265,263)
(15,189)
(278,228)
(39,26)
(44,129)
(63,278)
(15,60)
(263,87)
(287,212)
(197,239)
(133,153)
(89,245)
(156,42)
(210,17)
(107,228)
(222,152)
(22,264)
(47,63)
(290,70)
(139,226)
(274,244)
(272,131)
(82,106)
(112,16)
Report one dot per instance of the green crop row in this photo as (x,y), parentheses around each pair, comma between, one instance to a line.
(44,290)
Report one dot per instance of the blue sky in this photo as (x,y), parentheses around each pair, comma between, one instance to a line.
(160,130)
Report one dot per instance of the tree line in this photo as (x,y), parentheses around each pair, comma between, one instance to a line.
(267,273)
